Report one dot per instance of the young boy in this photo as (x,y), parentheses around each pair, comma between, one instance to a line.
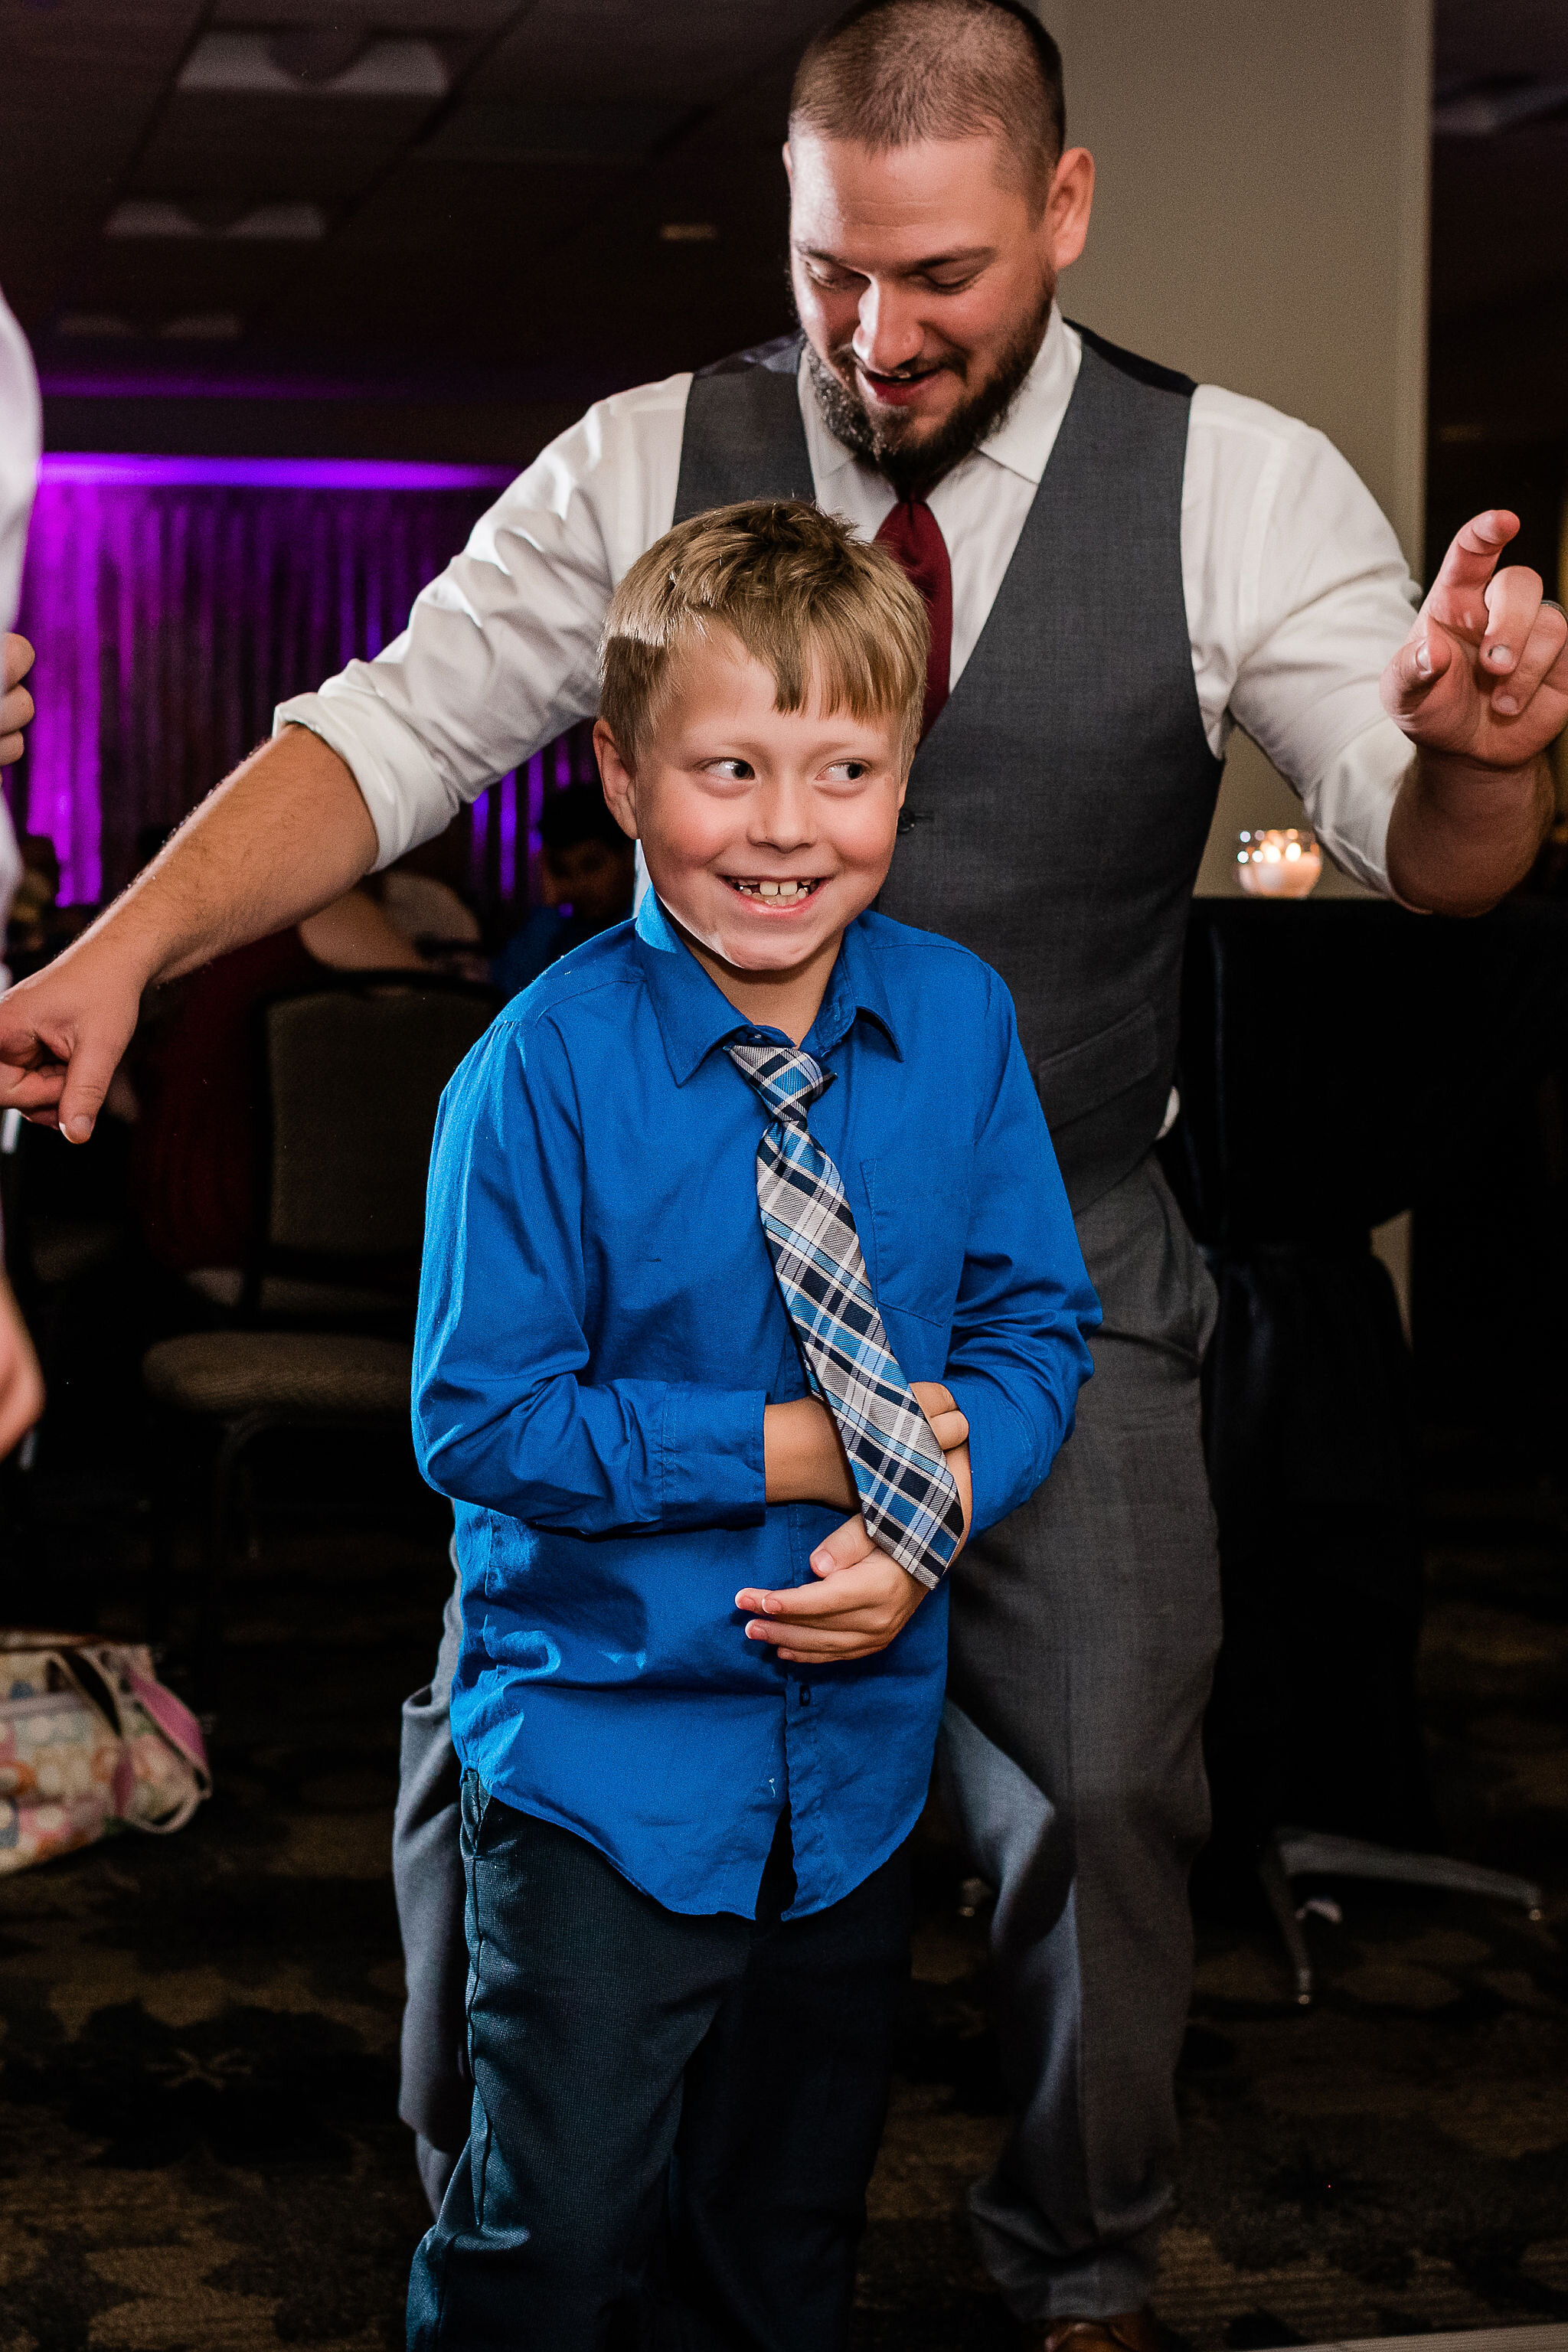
(704,1202)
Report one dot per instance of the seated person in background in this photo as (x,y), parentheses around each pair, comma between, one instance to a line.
(426,909)
(192,1084)
(40,927)
(588,870)
(703,1203)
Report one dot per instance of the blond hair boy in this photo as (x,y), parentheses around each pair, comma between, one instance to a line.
(750,1286)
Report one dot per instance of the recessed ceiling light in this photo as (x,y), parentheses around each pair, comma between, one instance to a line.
(203,327)
(1483,108)
(89,324)
(284,223)
(257,65)
(688,231)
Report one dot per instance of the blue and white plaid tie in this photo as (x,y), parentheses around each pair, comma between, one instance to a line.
(908,1498)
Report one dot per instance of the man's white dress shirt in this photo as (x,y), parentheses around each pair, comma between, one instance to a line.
(1296,595)
(20,436)
(19,441)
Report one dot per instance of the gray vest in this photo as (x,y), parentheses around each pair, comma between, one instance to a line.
(1059,808)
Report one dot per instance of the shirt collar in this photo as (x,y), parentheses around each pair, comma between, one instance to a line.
(694,1015)
(1024,440)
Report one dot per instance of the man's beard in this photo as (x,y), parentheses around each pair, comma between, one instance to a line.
(915,466)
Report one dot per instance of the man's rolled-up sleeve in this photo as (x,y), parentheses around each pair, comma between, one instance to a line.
(500,652)
(1019,1351)
(1324,601)
(503,1416)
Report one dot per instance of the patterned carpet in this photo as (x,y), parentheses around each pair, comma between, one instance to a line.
(197,2146)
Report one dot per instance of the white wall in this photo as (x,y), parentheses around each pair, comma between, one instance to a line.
(1262,223)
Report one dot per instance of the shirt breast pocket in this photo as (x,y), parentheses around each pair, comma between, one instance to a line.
(919,1219)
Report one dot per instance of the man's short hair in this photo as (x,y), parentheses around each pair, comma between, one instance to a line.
(889,72)
(819,608)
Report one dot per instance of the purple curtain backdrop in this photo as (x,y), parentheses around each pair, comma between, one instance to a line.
(174,601)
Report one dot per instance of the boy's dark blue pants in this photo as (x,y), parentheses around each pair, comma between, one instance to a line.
(675,2117)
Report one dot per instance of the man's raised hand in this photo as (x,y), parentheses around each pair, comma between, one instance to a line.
(1483,675)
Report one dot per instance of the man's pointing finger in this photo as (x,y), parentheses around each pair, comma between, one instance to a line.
(1473,554)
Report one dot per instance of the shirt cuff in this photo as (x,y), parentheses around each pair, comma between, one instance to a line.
(408,800)
(1002,1453)
(1352,801)
(712,1471)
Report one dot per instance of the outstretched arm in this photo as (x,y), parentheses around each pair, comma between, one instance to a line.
(1480,686)
(284,836)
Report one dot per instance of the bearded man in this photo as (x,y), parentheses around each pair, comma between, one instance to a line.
(1119,567)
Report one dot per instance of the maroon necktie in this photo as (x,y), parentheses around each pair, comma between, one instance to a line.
(912,537)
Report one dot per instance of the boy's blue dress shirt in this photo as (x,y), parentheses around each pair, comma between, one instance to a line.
(599,1331)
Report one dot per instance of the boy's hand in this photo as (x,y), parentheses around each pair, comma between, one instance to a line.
(947,1425)
(864,1600)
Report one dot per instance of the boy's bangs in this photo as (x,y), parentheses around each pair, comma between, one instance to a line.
(832,618)
(814,657)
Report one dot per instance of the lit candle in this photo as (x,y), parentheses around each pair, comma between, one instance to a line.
(1275,864)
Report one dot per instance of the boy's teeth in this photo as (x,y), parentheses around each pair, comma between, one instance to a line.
(786,891)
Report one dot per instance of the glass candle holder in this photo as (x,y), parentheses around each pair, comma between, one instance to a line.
(1275,864)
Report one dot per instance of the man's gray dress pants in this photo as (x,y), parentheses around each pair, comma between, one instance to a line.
(1085,1629)
(1084,1633)
(436,2091)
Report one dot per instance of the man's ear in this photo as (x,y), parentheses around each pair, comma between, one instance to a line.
(788,163)
(619,783)
(1067,207)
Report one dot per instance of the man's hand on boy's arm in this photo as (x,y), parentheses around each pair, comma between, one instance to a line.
(805,1461)
(863,1599)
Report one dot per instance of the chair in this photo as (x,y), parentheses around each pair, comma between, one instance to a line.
(350,1074)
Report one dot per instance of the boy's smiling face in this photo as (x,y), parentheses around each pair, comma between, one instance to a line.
(765,831)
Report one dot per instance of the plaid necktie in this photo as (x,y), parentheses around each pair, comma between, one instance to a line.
(908,1498)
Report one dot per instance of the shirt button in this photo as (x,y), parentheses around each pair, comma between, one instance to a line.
(805,1694)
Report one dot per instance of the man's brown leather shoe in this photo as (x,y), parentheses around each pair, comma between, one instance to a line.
(1125,2331)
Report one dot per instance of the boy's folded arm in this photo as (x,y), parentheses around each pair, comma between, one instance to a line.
(628,1457)
(1019,1350)
(502,1416)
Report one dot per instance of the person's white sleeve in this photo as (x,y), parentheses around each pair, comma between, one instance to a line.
(500,652)
(20,438)
(1298,592)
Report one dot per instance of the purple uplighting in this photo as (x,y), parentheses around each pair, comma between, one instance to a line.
(109,472)
(174,601)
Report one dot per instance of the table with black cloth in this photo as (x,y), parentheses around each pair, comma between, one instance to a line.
(1341,1062)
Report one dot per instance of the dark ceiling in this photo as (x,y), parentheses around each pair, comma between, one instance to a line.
(447,201)
(438,227)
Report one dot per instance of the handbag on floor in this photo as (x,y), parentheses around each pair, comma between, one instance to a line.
(91,1741)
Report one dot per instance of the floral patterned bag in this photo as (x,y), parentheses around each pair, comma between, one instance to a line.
(91,1741)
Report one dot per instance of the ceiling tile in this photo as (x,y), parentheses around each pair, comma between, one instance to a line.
(594,52)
